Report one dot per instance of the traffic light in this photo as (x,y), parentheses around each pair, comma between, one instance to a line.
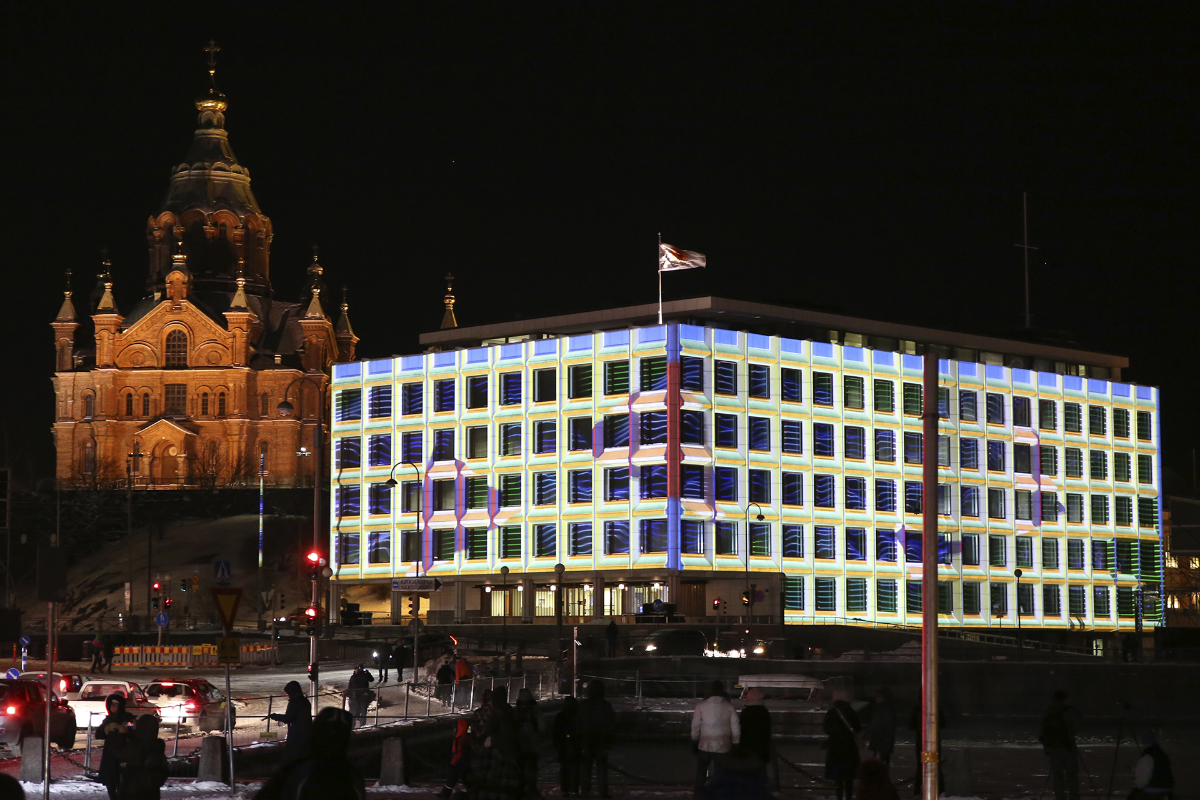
(414,605)
(310,617)
(313,671)
(154,604)
(746,598)
(716,604)
(157,586)
(167,604)
(314,564)
(183,585)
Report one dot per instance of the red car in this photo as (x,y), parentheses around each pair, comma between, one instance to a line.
(23,713)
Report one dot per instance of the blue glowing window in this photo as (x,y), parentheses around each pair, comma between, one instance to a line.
(726,483)
(616,430)
(691,532)
(379,450)
(824,491)
(793,489)
(653,483)
(510,439)
(443,395)
(379,401)
(790,385)
(691,478)
(824,542)
(652,427)
(885,495)
(691,372)
(792,435)
(856,493)
(545,436)
(348,500)
(759,376)
(412,446)
(793,541)
(349,405)
(616,483)
(913,547)
(691,425)
(580,432)
(912,497)
(348,453)
(443,444)
(545,540)
(969,501)
(885,446)
(760,539)
(760,434)
(725,538)
(379,499)
(823,439)
(580,534)
(856,544)
(545,488)
(725,377)
(885,545)
(510,389)
(616,537)
(580,487)
(759,481)
(412,398)
(653,536)
(856,441)
(726,433)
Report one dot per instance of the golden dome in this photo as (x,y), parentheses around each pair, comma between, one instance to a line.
(212,99)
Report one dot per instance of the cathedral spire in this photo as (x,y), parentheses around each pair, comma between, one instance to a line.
(211,103)
(448,319)
(344,334)
(314,307)
(239,298)
(67,312)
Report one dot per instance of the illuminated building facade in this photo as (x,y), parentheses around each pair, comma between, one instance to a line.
(650,460)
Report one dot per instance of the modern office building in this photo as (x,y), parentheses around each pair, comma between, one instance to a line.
(738,444)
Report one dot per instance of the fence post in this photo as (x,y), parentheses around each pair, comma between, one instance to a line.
(639,688)
(87,753)
(407,691)
(471,700)
(270,702)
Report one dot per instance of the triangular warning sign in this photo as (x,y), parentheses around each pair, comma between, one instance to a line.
(226,600)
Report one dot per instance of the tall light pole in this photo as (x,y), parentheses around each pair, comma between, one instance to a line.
(750,589)
(930,744)
(391,484)
(1020,642)
(558,609)
(285,410)
(504,616)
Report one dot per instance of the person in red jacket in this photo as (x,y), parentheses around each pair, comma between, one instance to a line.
(460,758)
(462,681)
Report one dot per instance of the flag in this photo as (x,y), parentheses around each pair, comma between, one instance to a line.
(672,258)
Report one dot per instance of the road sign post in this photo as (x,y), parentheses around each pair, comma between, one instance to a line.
(226,599)
(24,653)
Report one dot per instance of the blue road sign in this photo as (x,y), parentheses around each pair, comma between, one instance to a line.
(222,573)
(161,619)
(658,604)
(24,641)
(13,674)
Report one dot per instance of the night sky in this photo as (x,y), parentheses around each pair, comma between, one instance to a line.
(864,158)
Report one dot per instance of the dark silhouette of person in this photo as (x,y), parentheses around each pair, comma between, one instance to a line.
(566,744)
(1058,740)
(841,754)
(10,788)
(326,773)
(496,775)
(611,634)
(881,729)
(529,734)
(145,759)
(112,731)
(298,717)
(109,650)
(756,732)
(595,724)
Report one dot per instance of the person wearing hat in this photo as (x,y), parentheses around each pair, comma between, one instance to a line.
(298,718)
(1152,775)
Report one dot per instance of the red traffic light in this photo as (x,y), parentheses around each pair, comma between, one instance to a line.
(157,586)
(314,558)
(311,612)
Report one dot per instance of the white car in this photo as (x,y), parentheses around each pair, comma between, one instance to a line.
(190,702)
(91,707)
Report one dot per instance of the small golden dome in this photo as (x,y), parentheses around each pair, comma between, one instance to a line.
(212,99)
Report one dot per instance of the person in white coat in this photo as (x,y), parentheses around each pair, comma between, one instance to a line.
(715,730)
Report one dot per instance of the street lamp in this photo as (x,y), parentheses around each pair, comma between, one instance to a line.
(558,609)
(1020,642)
(285,410)
(392,484)
(504,612)
(749,588)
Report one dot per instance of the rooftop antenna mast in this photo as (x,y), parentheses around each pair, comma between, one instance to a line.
(1026,247)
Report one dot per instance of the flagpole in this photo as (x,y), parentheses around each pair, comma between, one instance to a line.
(660,278)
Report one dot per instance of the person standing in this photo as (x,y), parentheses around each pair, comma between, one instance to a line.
(1058,741)
(566,744)
(97,655)
(112,731)
(841,754)
(715,730)
(109,650)
(298,717)
(595,724)
(359,695)
(145,758)
(383,660)
(445,682)
(1152,776)
(529,733)
(496,776)
(463,676)
(611,634)
(460,758)
(881,730)
(327,772)
(756,733)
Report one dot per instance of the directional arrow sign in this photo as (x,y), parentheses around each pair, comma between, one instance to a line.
(411,585)
(226,600)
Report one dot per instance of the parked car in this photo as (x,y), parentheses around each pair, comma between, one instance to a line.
(66,685)
(23,714)
(740,644)
(91,707)
(190,702)
(672,642)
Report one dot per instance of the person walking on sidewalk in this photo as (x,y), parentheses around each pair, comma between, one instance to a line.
(715,730)
(97,655)
(460,758)
(566,744)
(881,730)
(1058,740)
(359,695)
(113,729)
(109,651)
(841,754)
(383,660)
(298,717)
(611,634)
(595,724)
(756,733)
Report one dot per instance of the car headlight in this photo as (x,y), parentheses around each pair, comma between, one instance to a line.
(758,651)
(650,647)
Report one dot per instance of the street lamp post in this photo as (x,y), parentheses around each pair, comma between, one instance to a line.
(285,410)
(504,615)
(749,588)
(1020,642)
(558,610)
(392,484)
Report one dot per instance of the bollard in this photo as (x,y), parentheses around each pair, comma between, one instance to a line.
(391,763)
(270,703)
(958,772)
(31,759)
(407,692)
(213,764)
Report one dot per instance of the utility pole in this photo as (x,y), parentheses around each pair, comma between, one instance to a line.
(929,585)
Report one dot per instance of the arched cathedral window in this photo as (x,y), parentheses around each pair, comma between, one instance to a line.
(176,355)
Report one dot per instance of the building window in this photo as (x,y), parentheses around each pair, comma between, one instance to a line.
(999,599)
(792,436)
(412,446)
(579,433)
(760,434)
(510,541)
(826,594)
(914,547)
(412,399)
(725,536)
(1023,459)
(1099,465)
(510,439)
(1049,553)
(1074,508)
(913,497)
(348,453)
(995,408)
(443,495)
(1075,556)
(349,405)
(997,551)
(968,453)
(379,401)
(725,484)
(616,537)
(856,493)
(885,596)
(726,430)
(996,456)
(725,378)
(348,500)
(856,594)
(616,430)
(1145,469)
(264,410)
(691,374)
(793,593)
(823,440)
(129,404)
(968,406)
(793,541)
(545,436)
(913,404)
(174,400)
(443,395)
(1099,509)
(1025,552)
(1102,555)
(379,499)
(1097,421)
(351,556)
(510,389)
(885,545)
(477,492)
(579,535)
(691,427)
(1147,512)
(943,499)
(443,444)
(856,544)
(913,597)
(477,441)
(971,598)
(760,539)
(885,495)
(510,491)
(653,535)
(1074,462)
(1047,415)
(759,485)
(822,389)
(411,495)
(1025,599)
(579,385)
(1144,426)
(885,446)
(545,488)
(1021,412)
(885,397)
(943,451)
(653,374)
(176,350)
(221,404)
(653,483)
(1101,606)
(1048,460)
(89,458)
(824,542)
(616,484)
(476,543)
(1124,512)
(616,377)
(970,550)
(579,486)
(824,491)
(855,442)
(652,427)
(759,381)
(914,448)
(477,391)
(1024,504)
(793,488)
(1121,470)
(852,392)
(691,479)
(545,385)
(443,545)
(995,500)
(146,404)
(1077,601)
(790,385)
(1073,417)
